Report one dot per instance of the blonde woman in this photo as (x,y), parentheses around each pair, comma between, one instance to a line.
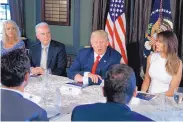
(164,68)
(11,38)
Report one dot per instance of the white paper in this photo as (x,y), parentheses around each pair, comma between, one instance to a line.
(134,101)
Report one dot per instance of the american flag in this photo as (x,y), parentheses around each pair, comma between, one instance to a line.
(116,27)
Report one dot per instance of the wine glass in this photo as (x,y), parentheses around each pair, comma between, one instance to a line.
(163,102)
(178,98)
(46,87)
(48,71)
(178,95)
(57,97)
(45,76)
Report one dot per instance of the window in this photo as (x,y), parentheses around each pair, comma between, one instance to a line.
(56,12)
(4,14)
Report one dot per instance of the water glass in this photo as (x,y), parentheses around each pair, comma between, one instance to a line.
(178,95)
(45,76)
(57,98)
(46,98)
(178,98)
(48,71)
(162,102)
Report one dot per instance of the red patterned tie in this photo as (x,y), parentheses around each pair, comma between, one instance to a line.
(95,65)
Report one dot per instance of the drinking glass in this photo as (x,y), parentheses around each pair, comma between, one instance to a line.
(164,107)
(178,95)
(162,102)
(48,71)
(45,77)
(178,98)
(57,99)
(46,98)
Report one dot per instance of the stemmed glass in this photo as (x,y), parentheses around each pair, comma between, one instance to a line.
(163,102)
(48,71)
(178,97)
(176,108)
(46,77)
(46,87)
(162,105)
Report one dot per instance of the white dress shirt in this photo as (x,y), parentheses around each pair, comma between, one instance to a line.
(43,59)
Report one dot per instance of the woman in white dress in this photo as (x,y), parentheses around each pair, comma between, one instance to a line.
(164,68)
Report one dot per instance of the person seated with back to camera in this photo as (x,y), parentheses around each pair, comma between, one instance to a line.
(15,68)
(164,68)
(92,63)
(119,88)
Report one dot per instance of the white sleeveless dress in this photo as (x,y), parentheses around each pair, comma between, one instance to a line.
(160,79)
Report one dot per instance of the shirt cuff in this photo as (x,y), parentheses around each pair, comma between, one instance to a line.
(85,80)
(102,83)
(86,74)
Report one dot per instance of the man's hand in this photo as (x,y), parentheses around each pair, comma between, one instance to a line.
(78,78)
(37,70)
(94,77)
(34,71)
(40,70)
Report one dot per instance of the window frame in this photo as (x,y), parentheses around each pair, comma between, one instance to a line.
(5,4)
(57,22)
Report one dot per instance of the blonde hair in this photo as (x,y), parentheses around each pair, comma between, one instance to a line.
(17,36)
(100,33)
(171,47)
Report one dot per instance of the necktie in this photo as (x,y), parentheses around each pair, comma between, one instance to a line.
(44,58)
(95,65)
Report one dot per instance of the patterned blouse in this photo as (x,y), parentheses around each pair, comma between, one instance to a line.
(18,45)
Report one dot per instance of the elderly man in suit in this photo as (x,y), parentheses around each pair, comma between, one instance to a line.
(15,67)
(91,64)
(47,54)
(119,87)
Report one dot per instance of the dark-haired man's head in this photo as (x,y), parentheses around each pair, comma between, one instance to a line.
(15,68)
(120,84)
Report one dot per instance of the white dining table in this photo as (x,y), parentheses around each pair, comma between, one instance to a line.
(159,109)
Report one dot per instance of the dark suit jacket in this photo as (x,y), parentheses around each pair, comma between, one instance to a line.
(85,59)
(14,107)
(109,111)
(57,58)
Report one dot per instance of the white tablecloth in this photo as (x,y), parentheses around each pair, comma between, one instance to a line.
(92,94)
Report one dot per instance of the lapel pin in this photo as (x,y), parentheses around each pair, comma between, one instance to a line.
(104,60)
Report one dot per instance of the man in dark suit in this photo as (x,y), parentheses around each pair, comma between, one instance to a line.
(91,64)
(47,54)
(119,87)
(15,67)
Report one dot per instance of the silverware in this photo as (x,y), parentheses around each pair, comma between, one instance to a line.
(54,116)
